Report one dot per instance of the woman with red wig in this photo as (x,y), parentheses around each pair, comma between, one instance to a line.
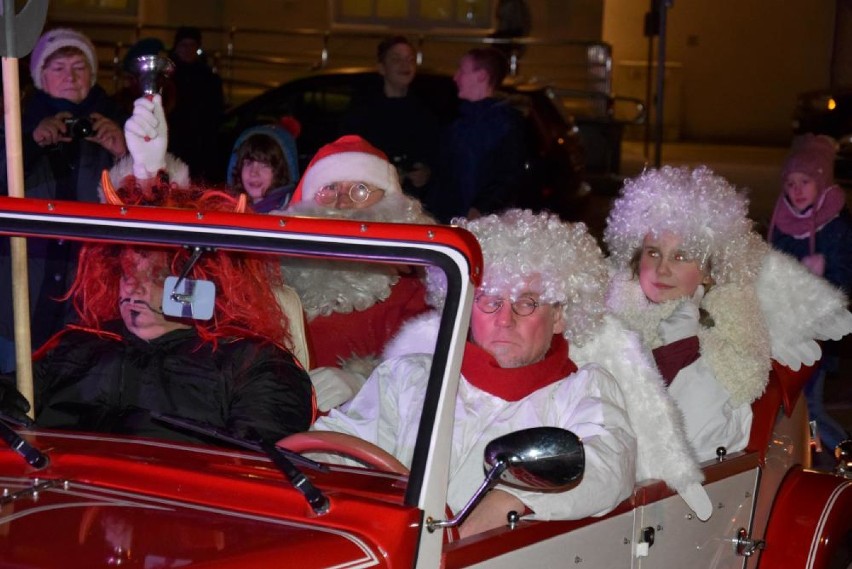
(125,361)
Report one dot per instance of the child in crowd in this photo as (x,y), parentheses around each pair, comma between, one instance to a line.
(811,222)
(265,165)
(711,300)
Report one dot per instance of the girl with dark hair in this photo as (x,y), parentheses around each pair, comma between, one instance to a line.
(265,165)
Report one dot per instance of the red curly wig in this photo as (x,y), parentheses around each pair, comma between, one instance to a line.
(246,304)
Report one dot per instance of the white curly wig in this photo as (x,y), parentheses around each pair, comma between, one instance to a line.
(563,257)
(703,209)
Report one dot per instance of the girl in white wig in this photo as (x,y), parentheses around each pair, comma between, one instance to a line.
(567,267)
(711,300)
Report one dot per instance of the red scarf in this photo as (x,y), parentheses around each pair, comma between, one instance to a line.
(806,224)
(513,384)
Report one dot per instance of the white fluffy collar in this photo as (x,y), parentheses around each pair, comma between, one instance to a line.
(736,344)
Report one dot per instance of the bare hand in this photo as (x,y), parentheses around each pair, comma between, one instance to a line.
(52,130)
(491,513)
(108,134)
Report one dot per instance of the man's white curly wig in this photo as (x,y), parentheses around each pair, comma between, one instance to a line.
(703,209)
(563,257)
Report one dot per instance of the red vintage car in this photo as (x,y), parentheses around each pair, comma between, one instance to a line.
(88,500)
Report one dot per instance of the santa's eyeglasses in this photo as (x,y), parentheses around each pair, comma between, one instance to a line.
(358,192)
(488,304)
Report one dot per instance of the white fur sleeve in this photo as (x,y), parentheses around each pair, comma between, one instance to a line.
(799,309)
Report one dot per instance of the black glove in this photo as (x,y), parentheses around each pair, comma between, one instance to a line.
(12,403)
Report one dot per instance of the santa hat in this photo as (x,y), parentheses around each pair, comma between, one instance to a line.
(812,155)
(349,158)
(54,40)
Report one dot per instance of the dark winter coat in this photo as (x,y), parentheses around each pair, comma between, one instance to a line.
(482,160)
(109,382)
(67,170)
(833,241)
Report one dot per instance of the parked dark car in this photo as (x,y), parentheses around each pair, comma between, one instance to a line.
(319,102)
(829,111)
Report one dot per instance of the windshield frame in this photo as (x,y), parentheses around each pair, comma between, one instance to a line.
(453,250)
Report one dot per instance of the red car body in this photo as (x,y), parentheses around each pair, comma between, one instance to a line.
(107,501)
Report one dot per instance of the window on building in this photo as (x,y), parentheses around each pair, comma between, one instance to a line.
(415,14)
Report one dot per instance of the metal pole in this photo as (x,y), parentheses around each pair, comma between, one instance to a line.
(20,32)
(661,82)
(649,77)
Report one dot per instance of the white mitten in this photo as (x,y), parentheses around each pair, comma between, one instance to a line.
(815,264)
(334,386)
(683,322)
(147,137)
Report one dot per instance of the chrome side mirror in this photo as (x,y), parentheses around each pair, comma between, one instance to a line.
(545,459)
(540,459)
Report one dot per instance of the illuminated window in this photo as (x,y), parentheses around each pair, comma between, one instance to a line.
(423,14)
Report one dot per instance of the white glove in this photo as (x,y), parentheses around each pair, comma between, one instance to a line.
(334,386)
(147,137)
(683,322)
(815,264)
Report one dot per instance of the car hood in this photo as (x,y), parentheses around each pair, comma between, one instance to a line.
(138,503)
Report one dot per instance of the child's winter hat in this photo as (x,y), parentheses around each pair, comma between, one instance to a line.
(352,158)
(812,155)
(54,40)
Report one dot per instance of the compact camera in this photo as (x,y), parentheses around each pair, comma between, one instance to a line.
(79,127)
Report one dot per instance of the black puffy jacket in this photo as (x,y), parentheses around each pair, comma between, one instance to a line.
(108,381)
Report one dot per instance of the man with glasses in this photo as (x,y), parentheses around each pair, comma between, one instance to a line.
(352,309)
(542,295)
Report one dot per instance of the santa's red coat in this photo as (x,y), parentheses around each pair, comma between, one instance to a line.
(364,333)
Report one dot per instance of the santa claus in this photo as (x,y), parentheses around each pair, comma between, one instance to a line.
(352,309)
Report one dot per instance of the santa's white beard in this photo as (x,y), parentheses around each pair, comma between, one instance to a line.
(326,287)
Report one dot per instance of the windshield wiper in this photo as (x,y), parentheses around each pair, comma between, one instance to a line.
(16,442)
(316,499)
(283,459)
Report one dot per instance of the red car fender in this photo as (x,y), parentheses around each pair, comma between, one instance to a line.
(810,522)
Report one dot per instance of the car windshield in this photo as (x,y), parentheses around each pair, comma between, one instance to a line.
(176,249)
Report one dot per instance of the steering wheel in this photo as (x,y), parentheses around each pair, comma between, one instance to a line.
(344,445)
(357,449)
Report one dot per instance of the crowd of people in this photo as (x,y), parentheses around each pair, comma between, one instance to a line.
(653,354)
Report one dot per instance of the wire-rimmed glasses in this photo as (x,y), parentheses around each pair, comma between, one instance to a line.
(490,304)
(358,192)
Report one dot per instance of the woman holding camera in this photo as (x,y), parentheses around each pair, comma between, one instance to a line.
(71,132)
